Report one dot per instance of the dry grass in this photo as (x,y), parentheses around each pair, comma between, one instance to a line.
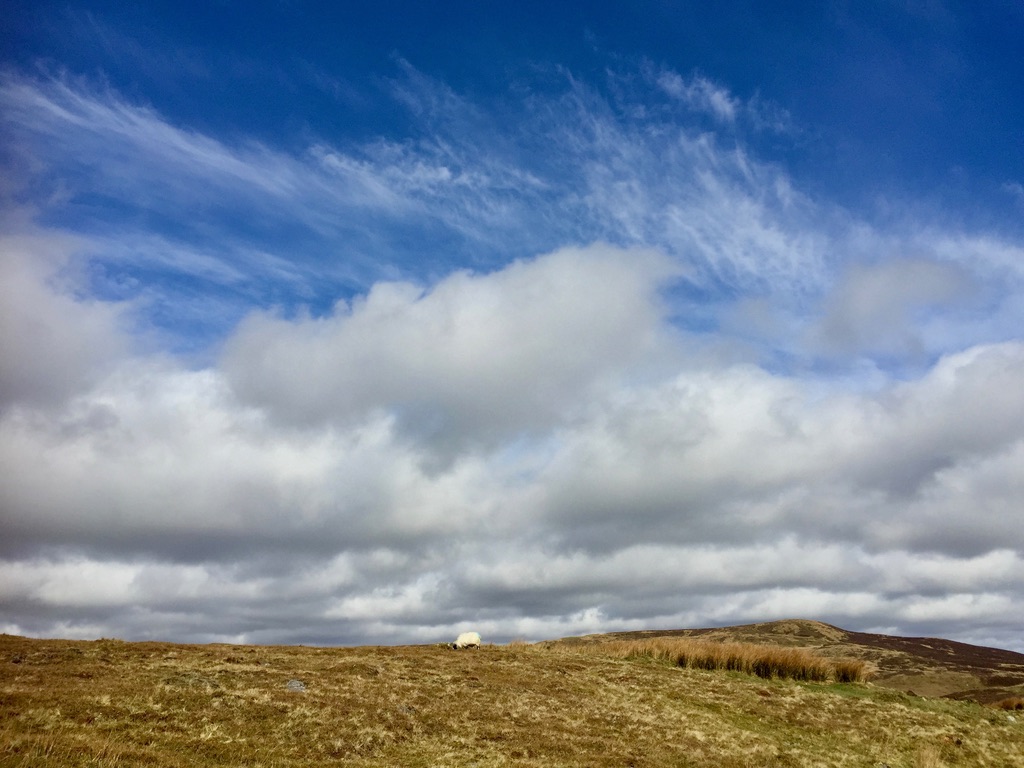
(925,666)
(753,659)
(1011,703)
(109,703)
(928,756)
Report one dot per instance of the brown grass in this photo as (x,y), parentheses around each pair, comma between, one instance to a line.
(928,756)
(753,659)
(930,667)
(110,703)
(1011,703)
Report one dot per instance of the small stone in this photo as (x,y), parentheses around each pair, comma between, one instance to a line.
(296,685)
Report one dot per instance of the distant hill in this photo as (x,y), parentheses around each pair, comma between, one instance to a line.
(922,665)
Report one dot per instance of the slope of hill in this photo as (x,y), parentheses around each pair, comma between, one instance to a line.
(925,666)
(111,703)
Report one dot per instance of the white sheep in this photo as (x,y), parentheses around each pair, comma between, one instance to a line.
(467,640)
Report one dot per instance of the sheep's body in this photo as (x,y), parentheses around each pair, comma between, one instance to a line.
(467,640)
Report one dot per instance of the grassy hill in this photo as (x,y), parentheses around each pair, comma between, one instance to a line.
(922,665)
(566,703)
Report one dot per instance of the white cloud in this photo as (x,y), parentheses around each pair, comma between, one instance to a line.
(570,170)
(716,456)
(528,445)
(1016,190)
(51,344)
(474,358)
(758,494)
(701,94)
(874,308)
(71,116)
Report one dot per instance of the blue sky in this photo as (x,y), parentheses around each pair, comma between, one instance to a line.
(347,324)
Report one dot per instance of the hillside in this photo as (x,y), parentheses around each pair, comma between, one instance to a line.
(921,665)
(113,703)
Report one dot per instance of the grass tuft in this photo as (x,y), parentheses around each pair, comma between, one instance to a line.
(928,757)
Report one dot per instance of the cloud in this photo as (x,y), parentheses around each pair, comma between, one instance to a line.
(701,94)
(1015,190)
(478,187)
(874,309)
(475,358)
(693,493)
(52,345)
(601,369)
(717,456)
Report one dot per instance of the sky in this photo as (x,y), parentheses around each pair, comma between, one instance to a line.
(348,323)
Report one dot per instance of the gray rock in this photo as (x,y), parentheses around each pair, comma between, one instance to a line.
(296,685)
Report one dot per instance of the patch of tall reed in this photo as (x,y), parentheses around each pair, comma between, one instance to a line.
(765,661)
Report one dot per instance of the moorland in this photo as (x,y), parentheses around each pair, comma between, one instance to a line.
(828,697)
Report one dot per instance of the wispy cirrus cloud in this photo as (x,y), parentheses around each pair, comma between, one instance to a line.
(701,94)
(566,165)
(572,169)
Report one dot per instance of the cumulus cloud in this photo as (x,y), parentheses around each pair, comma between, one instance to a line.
(52,345)
(321,514)
(727,453)
(472,358)
(875,309)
